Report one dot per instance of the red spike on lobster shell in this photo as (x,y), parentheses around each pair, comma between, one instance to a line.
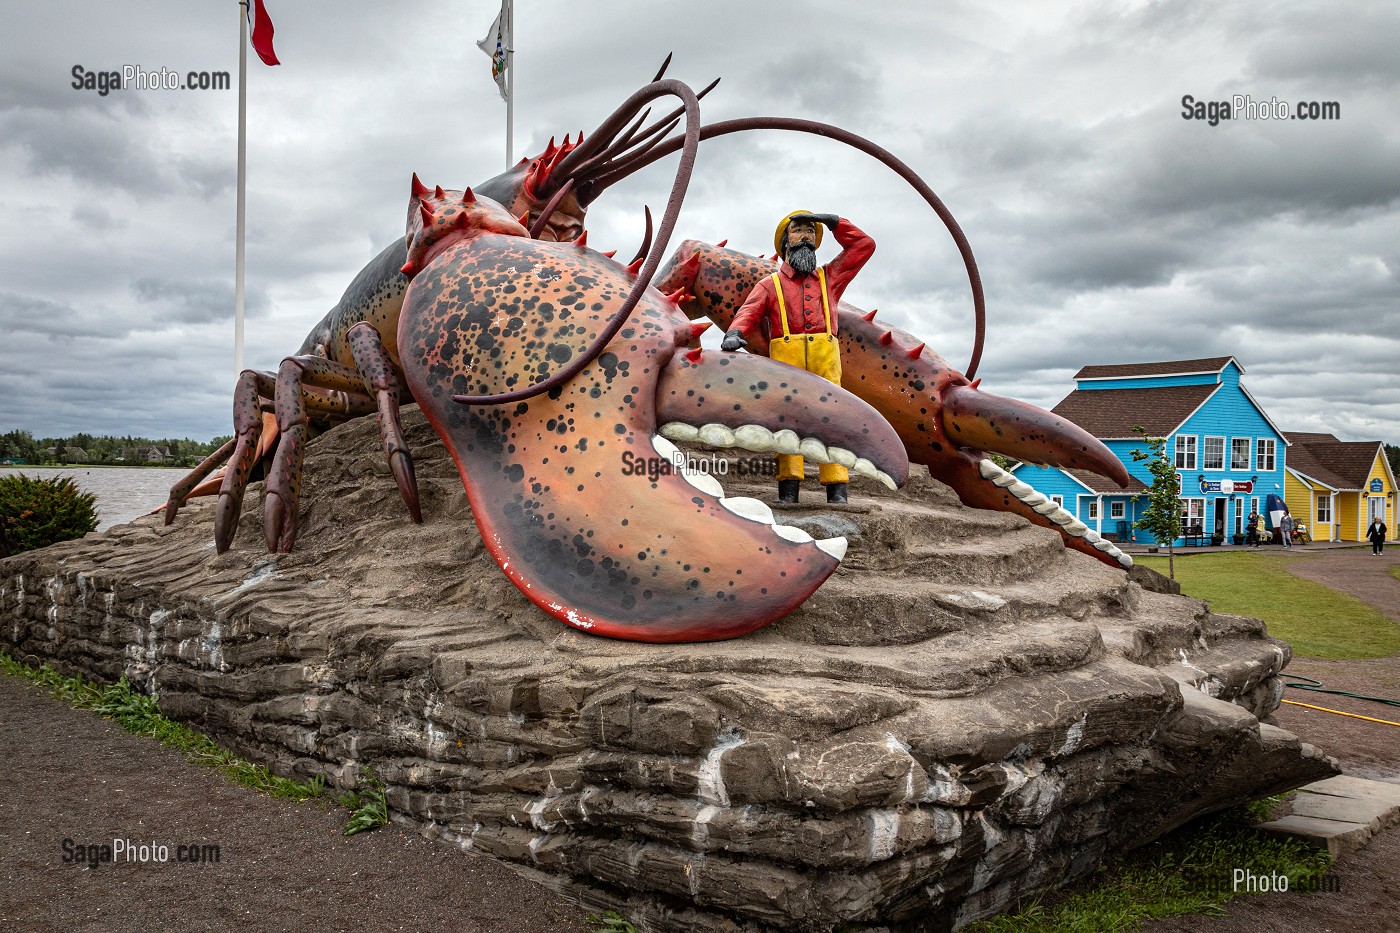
(915,353)
(887,338)
(722,243)
(427,213)
(610,253)
(408,268)
(438,192)
(582,240)
(694,355)
(634,266)
(468,197)
(419,189)
(699,327)
(869,316)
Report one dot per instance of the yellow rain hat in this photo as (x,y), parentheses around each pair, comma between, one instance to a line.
(781,233)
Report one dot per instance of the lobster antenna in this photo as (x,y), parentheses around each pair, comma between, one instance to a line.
(664,65)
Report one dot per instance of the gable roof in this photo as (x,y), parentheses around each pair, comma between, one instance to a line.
(1340,464)
(1100,484)
(1303,437)
(1301,460)
(1211,364)
(1114,412)
(1093,481)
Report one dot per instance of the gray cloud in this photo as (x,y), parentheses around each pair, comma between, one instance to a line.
(186,302)
(1108,229)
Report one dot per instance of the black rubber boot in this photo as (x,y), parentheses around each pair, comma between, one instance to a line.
(836,492)
(788,489)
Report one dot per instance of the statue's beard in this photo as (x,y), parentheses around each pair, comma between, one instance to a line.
(802,258)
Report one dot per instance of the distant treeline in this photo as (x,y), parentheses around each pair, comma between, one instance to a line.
(1392,453)
(105,450)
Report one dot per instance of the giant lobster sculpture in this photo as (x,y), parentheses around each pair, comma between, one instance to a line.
(540,362)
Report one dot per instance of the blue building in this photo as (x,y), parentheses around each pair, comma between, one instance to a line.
(1229,454)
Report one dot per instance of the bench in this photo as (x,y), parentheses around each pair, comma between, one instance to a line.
(1195,536)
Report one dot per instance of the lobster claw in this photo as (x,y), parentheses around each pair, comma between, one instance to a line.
(579,493)
(983,421)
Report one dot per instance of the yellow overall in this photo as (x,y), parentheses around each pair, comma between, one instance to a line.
(819,354)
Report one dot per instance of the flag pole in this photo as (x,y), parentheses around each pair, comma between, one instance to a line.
(510,83)
(242,181)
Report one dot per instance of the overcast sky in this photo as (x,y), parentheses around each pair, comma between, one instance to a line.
(1108,228)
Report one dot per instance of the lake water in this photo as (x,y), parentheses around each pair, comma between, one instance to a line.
(123,493)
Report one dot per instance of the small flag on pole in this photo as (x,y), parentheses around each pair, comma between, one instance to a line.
(262,32)
(494,45)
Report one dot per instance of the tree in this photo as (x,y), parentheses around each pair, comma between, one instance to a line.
(1392,453)
(1162,517)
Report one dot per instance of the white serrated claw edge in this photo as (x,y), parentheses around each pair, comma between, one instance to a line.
(752,509)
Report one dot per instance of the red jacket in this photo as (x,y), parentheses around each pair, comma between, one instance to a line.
(803,293)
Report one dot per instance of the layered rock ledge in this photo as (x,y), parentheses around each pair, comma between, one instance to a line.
(964,715)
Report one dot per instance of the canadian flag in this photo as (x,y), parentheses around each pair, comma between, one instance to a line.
(262,32)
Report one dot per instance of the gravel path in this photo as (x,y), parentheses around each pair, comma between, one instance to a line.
(69,774)
(1358,573)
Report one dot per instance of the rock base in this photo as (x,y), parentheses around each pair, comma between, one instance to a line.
(964,715)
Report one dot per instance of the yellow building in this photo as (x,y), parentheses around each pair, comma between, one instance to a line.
(1337,487)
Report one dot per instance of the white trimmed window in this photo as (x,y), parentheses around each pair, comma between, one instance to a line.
(1058,500)
(1186,451)
(1213,457)
(1324,508)
(1193,512)
(1093,509)
(1264,454)
(1117,509)
(1239,453)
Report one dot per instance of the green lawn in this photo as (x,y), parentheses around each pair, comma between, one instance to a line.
(1318,622)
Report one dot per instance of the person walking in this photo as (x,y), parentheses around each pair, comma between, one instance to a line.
(1376,533)
(1286,527)
(1251,528)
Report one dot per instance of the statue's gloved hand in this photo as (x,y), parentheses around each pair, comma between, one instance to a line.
(734,340)
(827,220)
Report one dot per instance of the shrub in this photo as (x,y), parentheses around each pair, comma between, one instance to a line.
(35,513)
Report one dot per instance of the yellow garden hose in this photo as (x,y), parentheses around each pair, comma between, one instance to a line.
(1324,709)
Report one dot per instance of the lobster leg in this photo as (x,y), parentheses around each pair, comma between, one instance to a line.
(180,492)
(334,389)
(378,369)
(247,427)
